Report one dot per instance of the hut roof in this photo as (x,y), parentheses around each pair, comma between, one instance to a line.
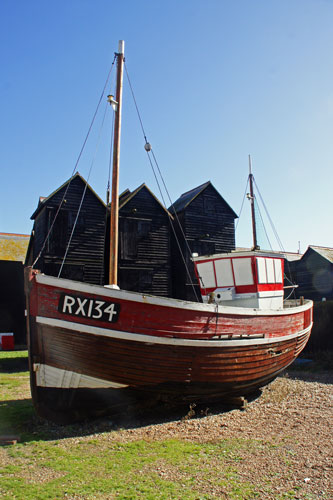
(127,195)
(186,198)
(43,200)
(325,252)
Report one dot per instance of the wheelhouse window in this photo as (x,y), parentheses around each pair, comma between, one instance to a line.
(224,274)
(269,270)
(206,274)
(243,271)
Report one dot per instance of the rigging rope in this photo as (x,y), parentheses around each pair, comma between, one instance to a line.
(269,218)
(240,213)
(135,103)
(149,149)
(83,195)
(75,167)
(277,239)
(174,230)
(257,210)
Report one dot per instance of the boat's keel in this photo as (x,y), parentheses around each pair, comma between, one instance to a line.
(65,406)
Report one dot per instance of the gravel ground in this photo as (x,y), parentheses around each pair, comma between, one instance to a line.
(289,426)
(293,421)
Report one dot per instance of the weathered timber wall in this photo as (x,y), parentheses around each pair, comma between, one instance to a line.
(144,246)
(85,258)
(313,275)
(208,225)
(321,338)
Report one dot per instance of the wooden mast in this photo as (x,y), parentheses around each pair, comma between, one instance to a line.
(113,269)
(254,228)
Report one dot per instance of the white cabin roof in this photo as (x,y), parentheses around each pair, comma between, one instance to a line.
(233,254)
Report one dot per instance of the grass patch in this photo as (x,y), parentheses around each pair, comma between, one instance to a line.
(90,461)
(137,470)
(16,409)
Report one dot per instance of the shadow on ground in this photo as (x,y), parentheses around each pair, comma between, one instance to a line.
(323,377)
(14,364)
(18,419)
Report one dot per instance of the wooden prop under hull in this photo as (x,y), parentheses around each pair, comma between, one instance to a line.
(81,367)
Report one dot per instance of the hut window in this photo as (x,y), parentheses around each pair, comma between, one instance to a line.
(129,248)
(58,237)
(144,228)
(132,232)
(209,205)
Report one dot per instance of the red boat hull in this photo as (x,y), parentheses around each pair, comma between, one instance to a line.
(91,345)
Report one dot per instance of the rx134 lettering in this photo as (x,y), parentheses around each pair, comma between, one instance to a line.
(86,307)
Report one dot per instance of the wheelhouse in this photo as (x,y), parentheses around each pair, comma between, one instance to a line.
(245,279)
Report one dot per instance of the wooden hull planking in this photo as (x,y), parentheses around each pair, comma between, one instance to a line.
(155,346)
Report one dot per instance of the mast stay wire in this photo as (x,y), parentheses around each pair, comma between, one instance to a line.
(75,166)
(149,149)
(257,210)
(277,239)
(83,194)
(180,227)
(173,228)
(270,220)
(241,208)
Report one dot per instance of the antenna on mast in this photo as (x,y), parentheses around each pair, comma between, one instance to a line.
(250,196)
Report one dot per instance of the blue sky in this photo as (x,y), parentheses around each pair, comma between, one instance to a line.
(215,80)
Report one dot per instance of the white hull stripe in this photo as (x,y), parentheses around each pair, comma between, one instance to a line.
(148,339)
(49,376)
(77,286)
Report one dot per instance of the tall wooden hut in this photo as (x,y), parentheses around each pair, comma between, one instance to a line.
(207,222)
(50,235)
(144,263)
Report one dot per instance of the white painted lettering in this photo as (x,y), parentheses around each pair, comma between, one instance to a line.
(68,304)
(81,304)
(91,303)
(89,308)
(98,308)
(110,310)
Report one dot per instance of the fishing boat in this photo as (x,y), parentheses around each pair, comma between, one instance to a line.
(93,347)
